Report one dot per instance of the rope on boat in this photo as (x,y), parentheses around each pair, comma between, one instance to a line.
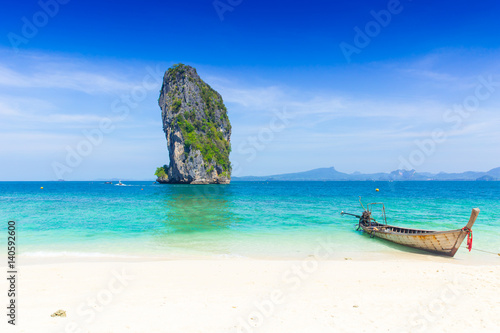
(497,254)
(469,237)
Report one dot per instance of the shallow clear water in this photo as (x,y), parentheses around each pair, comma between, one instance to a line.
(249,219)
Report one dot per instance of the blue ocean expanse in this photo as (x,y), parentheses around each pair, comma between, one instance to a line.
(286,220)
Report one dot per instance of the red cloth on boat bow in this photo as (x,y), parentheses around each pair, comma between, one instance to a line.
(469,237)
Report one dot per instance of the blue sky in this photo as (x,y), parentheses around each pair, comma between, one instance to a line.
(418,87)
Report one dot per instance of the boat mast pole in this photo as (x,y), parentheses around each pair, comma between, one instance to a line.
(344,213)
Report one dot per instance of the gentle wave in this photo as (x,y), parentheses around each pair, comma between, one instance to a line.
(230,256)
(47,254)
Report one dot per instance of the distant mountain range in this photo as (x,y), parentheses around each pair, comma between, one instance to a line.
(326,174)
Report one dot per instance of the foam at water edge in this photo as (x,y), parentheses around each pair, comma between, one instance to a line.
(230,256)
(46,254)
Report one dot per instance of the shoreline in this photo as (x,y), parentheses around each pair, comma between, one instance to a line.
(462,257)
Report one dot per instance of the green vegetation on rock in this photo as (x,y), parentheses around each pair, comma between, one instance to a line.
(161,172)
(177,105)
(177,69)
(210,142)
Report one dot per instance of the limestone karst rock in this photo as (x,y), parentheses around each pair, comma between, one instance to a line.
(197,129)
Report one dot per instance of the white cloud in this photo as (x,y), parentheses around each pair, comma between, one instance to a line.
(7,111)
(87,82)
(40,111)
(33,112)
(36,70)
(433,75)
(257,98)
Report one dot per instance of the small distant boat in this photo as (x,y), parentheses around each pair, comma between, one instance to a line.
(108,182)
(439,242)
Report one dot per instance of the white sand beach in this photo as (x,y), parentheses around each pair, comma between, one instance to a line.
(428,294)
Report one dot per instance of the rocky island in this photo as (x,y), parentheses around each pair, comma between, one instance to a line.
(197,129)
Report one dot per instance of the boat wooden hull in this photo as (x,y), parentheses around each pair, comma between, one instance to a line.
(440,242)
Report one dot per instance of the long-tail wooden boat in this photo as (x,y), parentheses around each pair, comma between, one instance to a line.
(440,242)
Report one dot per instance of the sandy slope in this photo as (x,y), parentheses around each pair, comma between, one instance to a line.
(243,295)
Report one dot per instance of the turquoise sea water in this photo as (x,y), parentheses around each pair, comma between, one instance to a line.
(247,219)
